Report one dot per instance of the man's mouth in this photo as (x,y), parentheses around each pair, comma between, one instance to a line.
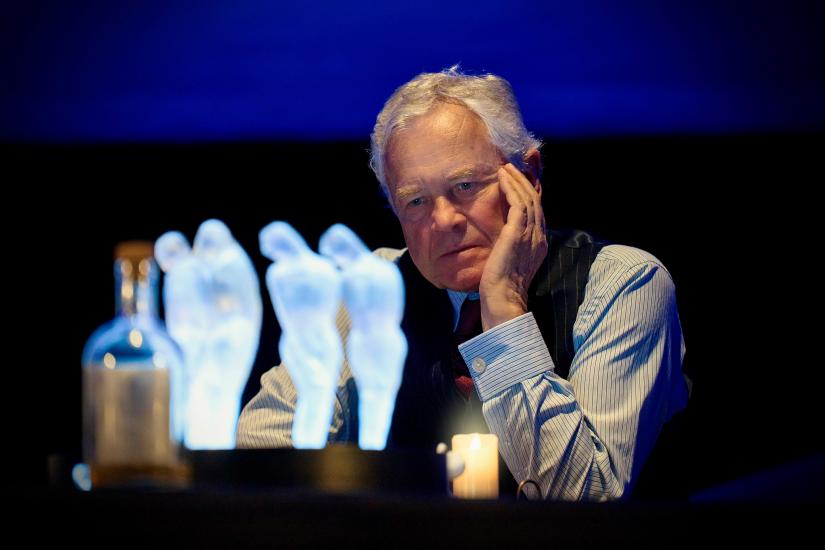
(456,250)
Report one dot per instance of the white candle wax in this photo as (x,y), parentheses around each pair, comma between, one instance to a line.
(480,477)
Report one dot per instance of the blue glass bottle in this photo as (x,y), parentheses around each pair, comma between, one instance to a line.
(131,383)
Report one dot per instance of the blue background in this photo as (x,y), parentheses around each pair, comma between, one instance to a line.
(154,70)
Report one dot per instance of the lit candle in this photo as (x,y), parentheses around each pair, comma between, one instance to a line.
(480,477)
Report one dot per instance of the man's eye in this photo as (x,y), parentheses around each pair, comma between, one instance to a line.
(465,186)
(418,201)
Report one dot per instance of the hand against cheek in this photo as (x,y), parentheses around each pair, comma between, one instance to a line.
(517,254)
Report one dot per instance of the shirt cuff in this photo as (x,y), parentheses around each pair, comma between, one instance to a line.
(505,355)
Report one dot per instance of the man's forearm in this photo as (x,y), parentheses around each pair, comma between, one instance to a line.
(544,437)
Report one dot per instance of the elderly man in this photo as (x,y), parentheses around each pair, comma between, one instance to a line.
(569,349)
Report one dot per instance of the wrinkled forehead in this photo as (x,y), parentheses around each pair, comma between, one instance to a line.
(442,119)
(446,139)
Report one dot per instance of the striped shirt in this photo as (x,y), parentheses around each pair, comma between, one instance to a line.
(584,438)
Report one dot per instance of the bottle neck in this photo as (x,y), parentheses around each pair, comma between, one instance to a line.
(136,288)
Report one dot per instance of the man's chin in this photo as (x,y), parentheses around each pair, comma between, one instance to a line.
(465,280)
(459,276)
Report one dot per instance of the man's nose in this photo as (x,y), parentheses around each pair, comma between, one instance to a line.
(446,217)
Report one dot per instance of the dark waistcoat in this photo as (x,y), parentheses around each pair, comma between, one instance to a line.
(429,408)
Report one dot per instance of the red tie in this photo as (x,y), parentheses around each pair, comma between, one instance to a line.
(469,326)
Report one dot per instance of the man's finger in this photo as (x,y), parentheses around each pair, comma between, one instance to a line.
(532,198)
(534,201)
(517,213)
(522,180)
(518,188)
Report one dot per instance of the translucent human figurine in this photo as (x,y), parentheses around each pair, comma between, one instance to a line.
(373,293)
(306,293)
(213,311)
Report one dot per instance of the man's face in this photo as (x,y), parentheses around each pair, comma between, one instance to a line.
(442,177)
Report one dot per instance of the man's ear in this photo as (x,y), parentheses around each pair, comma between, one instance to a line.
(532,168)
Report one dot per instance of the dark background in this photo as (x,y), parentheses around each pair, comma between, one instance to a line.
(693,131)
(730,217)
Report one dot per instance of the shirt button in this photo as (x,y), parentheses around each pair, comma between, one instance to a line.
(479,365)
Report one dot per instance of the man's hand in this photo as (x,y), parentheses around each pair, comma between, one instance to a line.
(517,254)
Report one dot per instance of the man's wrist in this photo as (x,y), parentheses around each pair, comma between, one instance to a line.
(506,355)
(497,311)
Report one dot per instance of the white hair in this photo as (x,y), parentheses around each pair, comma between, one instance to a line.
(488,96)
